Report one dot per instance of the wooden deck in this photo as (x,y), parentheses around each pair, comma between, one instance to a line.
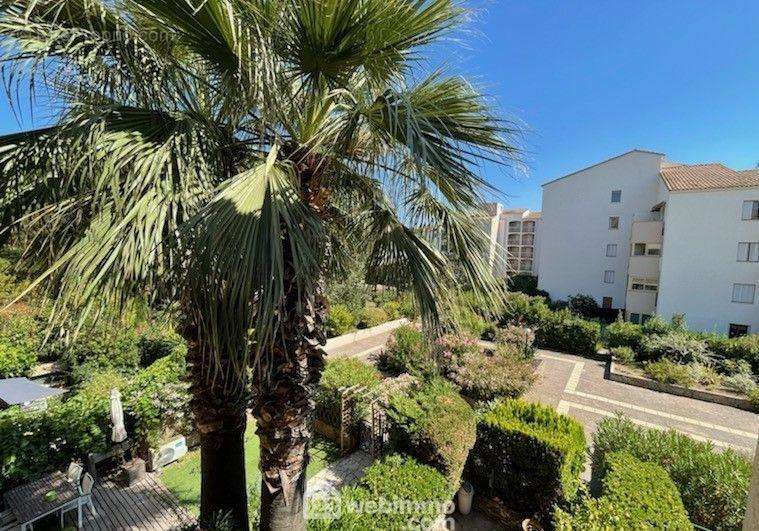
(147,505)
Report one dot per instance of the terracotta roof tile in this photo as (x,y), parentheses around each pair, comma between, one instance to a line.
(707,177)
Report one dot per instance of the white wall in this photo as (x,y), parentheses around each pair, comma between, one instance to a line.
(575,225)
(699,265)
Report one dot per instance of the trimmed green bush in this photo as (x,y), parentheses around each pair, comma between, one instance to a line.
(340,320)
(656,326)
(624,355)
(623,334)
(407,350)
(420,491)
(523,310)
(528,455)
(434,424)
(156,341)
(408,307)
(635,495)
(504,374)
(678,347)
(15,361)
(371,316)
(103,347)
(713,485)
(338,374)
(666,371)
(583,305)
(566,332)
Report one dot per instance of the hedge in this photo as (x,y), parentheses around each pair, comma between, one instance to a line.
(634,495)
(502,374)
(338,374)
(713,485)
(566,332)
(433,423)
(407,350)
(623,334)
(528,455)
(421,492)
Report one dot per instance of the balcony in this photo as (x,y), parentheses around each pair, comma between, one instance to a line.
(647,231)
(645,266)
(642,302)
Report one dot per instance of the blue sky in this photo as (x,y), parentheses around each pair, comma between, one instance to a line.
(592,79)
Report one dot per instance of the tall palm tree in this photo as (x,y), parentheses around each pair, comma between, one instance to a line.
(220,154)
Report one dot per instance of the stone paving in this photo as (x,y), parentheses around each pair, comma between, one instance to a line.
(339,474)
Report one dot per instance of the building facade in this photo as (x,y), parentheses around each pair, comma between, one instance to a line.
(649,236)
(514,240)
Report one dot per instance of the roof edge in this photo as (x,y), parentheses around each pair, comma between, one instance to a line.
(603,162)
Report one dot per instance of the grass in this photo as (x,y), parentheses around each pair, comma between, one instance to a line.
(183,477)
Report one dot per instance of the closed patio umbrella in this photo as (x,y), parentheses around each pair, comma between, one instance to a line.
(118,433)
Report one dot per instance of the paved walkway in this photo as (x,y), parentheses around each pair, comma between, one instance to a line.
(362,348)
(339,474)
(576,386)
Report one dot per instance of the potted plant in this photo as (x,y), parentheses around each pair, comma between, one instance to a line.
(465,495)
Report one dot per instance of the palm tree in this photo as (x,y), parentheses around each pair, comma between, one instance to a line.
(221,154)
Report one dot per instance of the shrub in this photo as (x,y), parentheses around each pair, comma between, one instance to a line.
(339,374)
(666,371)
(421,490)
(15,361)
(740,383)
(156,341)
(157,400)
(635,495)
(753,397)
(340,320)
(505,373)
(732,366)
(528,455)
(713,485)
(407,307)
(349,290)
(392,309)
(470,321)
(737,348)
(676,347)
(99,385)
(22,330)
(563,331)
(103,347)
(371,316)
(524,311)
(435,425)
(451,348)
(407,351)
(527,284)
(623,334)
(705,375)
(656,326)
(523,339)
(583,305)
(624,355)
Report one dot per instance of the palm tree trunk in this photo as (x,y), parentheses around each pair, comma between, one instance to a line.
(220,417)
(284,409)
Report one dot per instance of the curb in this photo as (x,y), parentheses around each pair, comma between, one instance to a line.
(352,337)
(697,394)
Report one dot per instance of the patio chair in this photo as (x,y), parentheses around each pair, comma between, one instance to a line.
(85,498)
(8,521)
(74,472)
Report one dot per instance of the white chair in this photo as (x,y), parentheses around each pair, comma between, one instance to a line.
(74,472)
(85,498)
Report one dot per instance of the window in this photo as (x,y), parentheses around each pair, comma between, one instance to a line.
(738,330)
(643,318)
(748,252)
(643,284)
(608,277)
(750,210)
(653,250)
(611,250)
(635,318)
(616,196)
(744,293)
(528,226)
(607,302)
(639,249)
(614,222)
(515,226)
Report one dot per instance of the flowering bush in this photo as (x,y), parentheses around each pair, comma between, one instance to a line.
(522,339)
(505,373)
(407,351)
(451,348)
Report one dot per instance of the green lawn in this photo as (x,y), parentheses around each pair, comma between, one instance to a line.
(183,477)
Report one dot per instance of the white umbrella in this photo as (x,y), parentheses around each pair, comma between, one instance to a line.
(118,433)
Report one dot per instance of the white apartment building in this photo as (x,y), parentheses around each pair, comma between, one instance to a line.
(649,236)
(514,239)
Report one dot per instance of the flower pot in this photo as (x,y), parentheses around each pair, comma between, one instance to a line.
(465,495)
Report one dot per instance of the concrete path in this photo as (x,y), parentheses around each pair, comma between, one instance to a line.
(362,348)
(339,474)
(576,386)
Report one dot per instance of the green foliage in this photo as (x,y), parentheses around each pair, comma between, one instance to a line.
(524,311)
(566,332)
(15,361)
(158,340)
(753,397)
(529,445)
(421,492)
(407,350)
(740,383)
(713,484)
(667,371)
(340,320)
(624,355)
(527,284)
(371,316)
(583,305)
(623,334)
(656,326)
(392,309)
(635,495)
(99,385)
(408,308)
(506,373)
(103,347)
(435,425)
(731,367)
(466,319)
(705,375)
(677,347)
(520,338)
(339,374)
(744,348)
(350,290)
